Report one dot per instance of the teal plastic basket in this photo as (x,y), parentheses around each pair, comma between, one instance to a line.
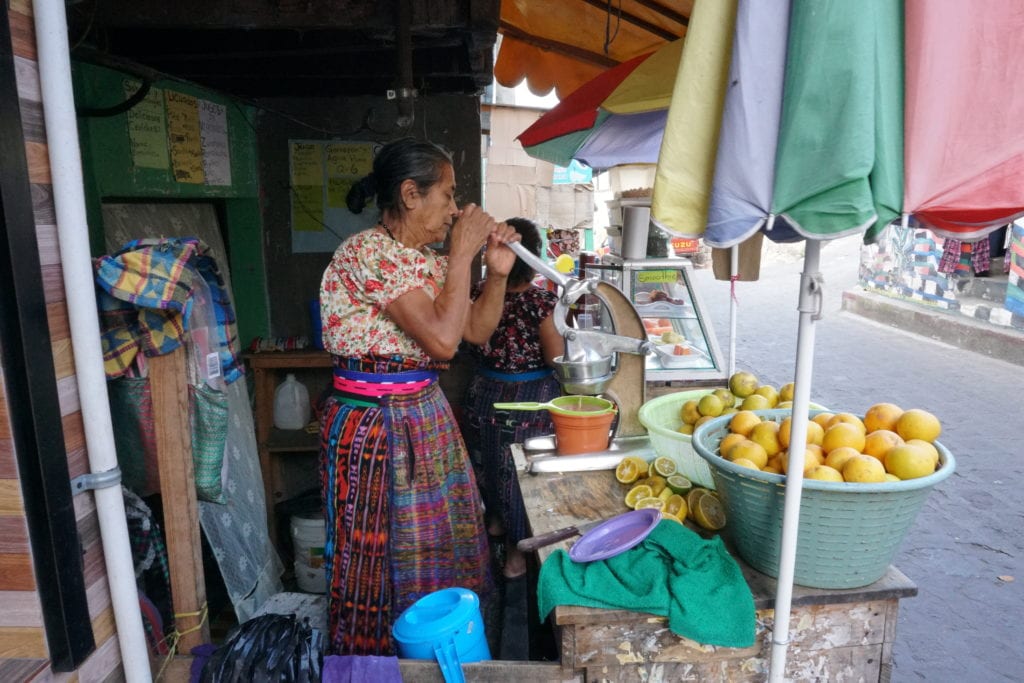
(848,533)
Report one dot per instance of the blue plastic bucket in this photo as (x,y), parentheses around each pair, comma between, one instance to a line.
(446,626)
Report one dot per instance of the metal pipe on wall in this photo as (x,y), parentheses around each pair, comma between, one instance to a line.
(73,231)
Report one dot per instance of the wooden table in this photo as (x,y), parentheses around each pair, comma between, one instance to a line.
(835,634)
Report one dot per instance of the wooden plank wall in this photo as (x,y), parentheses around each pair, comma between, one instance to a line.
(23,653)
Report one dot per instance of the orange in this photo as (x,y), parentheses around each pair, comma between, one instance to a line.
(674,518)
(636,493)
(882,416)
(918,424)
(675,505)
(710,513)
(689,413)
(932,450)
(664,467)
(743,422)
(748,450)
(863,469)
(695,494)
(630,469)
(743,462)
(685,429)
(702,420)
(846,417)
(770,393)
(843,434)
(823,473)
(742,384)
(837,457)
(652,502)
(811,459)
(786,392)
(710,405)
(755,402)
(822,419)
(656,482)
(909,462)
(728,399)
(728,442)
(815,433)
(766,435)
(879,441)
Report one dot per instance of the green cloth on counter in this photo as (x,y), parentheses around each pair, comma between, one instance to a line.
(673,572)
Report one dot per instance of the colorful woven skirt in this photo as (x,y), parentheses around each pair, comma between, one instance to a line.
(490,434)
(404,517)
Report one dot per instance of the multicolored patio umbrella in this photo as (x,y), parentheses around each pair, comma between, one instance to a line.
(616,118)
(811,146)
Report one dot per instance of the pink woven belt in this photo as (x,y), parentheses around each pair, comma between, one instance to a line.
(377,385)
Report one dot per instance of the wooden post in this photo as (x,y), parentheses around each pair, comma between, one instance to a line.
(169,384)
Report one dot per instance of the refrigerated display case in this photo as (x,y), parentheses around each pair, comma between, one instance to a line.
(662,291)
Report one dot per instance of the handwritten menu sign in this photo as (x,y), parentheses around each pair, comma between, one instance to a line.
(183,133)
(147,128)
(345,164)
(213,137)
(321,174)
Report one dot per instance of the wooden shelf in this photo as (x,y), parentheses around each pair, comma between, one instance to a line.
(274,444)
(292,441)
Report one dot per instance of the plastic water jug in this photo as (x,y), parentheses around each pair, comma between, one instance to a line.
(291,404)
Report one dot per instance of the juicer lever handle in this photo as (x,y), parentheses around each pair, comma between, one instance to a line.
(538,264)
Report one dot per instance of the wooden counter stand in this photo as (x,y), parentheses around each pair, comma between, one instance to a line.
(835,634)
(169,384)
(265,366)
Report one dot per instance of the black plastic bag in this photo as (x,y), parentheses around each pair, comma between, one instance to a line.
(273,648)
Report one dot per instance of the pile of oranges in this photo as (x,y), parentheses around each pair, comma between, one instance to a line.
(887,444)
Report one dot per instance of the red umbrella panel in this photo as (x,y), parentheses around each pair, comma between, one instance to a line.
(616,118)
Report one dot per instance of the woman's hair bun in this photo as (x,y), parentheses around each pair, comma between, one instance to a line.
(360,193)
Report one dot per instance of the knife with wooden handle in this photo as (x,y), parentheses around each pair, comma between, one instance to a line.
(528,545)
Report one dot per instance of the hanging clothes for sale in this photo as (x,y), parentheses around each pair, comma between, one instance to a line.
(963,258)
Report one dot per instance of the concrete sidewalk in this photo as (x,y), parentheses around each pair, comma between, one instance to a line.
(1003,343)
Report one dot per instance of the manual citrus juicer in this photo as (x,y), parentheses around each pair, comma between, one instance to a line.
(597,361)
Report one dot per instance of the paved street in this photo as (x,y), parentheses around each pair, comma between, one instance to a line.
(965,551)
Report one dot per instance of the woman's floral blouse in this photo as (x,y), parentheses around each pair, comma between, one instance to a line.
(515,345)
(369,271)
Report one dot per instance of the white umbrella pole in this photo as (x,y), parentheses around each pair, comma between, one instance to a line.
(810,310)
(734,271)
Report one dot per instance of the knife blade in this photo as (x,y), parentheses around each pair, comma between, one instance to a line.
(532,543)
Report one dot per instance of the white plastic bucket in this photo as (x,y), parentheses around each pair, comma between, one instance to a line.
(308,538)
(310,580)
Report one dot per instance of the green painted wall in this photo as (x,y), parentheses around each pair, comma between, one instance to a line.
(111,175)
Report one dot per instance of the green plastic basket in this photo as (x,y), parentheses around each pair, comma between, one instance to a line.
(661,418)
(848,533)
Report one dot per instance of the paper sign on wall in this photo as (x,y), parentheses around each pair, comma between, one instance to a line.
(147,128)
(213,136)
(321,174)
(185,138)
